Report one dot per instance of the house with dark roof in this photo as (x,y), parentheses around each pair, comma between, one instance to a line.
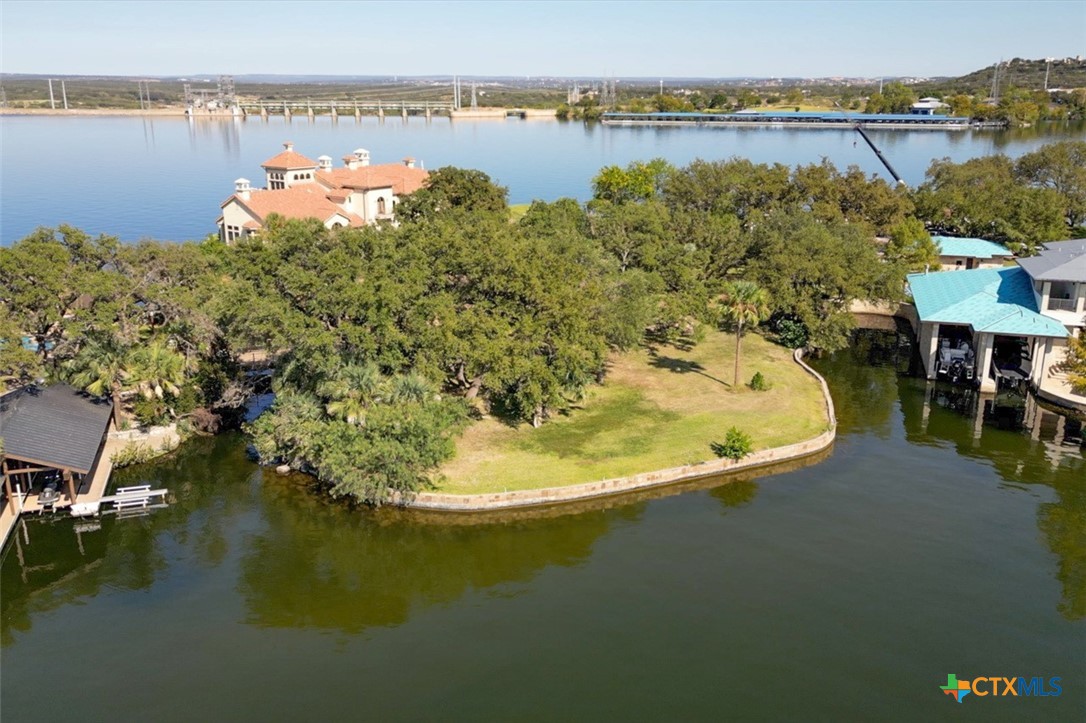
(357,194)
(986,325)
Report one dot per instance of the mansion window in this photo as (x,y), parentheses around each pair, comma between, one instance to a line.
(381,206)
(233,233)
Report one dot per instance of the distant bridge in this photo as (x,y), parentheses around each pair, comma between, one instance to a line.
(380,108)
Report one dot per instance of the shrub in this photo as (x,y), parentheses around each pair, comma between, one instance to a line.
(758,382)
(736,445)
(133,454)
(792,333)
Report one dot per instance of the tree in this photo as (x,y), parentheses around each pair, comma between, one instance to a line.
(451,188)
(911,247)
(746,190)
(369,436)
(743,303)
(18,365)
(352,390)
(813,272)
(894,98)
(638,181)
(737,444)
(1075,363)
(982,198)
(748,98)
(1062,168)
(101,368)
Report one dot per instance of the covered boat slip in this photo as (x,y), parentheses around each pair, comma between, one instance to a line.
(984,325)
(53,450)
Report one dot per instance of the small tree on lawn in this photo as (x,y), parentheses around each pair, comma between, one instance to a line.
(743,303)
(736,445)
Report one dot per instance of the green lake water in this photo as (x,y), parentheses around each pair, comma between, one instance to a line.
(925,544)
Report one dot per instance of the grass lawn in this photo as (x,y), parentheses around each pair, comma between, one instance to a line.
(658,408)
(517,211)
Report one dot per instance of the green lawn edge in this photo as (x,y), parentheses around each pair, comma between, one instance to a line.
(659,407)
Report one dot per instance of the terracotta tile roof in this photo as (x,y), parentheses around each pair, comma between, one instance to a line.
(287,160)
(306,201)
(400,178)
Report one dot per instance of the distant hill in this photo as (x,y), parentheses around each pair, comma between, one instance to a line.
(1020,73)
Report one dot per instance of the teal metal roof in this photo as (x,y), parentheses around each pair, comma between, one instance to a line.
(999,301)
(977,248)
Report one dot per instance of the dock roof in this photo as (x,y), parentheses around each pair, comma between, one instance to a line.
(977,248)
(998,301)
(1058,261)
(57,426)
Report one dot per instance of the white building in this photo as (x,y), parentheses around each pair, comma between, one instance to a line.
(959,254)
(355,194)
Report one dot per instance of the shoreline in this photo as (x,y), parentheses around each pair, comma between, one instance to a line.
(444,502)
(177,112)
(90,112)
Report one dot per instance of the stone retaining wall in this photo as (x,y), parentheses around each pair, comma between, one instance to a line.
(148,435)
(553,495)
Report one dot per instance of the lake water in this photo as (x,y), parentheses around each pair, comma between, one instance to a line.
(165,178)
(931,541)
(927,543)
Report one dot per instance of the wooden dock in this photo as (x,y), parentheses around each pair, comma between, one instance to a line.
(90,497)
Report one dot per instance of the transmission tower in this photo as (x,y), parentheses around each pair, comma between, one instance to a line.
(3,97)
(227,97)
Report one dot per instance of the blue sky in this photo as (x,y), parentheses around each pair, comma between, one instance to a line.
(585,39)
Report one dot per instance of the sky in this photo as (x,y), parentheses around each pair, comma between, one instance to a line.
(865,38)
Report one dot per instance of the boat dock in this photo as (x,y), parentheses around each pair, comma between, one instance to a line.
(797,119)
(58,456)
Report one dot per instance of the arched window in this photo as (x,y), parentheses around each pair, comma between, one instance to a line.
(381,206)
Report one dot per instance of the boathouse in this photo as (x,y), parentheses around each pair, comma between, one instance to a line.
(53,441)
(1011,323)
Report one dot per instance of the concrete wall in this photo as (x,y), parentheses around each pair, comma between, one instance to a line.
(552,495)
(902,310)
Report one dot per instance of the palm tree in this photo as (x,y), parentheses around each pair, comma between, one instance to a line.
(102,368)
(353,390)
(411,388)
(743,302)
(158,370)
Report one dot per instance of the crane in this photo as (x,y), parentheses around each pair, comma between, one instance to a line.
(863,134)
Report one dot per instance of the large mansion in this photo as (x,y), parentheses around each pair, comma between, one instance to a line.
(355,194)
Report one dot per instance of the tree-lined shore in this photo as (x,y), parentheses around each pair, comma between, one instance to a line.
(389,341)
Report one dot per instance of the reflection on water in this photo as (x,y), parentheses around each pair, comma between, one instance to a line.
(201,158)
(1024,441)
(311,565)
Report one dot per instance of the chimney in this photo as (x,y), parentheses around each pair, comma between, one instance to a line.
(409,162)
(324,163)
(242,188)
(362,156)
(289,146)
